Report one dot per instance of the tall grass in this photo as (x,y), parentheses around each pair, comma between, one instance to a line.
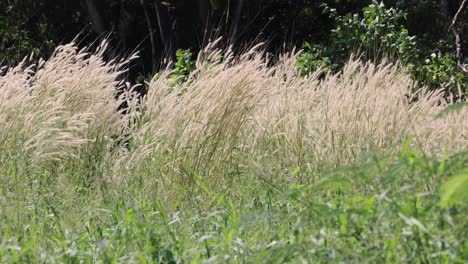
(242,106)
(229,107)
(58,108)
(232,165)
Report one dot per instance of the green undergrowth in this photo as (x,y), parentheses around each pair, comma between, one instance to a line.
(406,208)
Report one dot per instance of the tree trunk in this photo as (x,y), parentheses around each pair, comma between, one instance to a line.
(455,29)
(123,24)
(454,9)
(96,18)
(205,20)
(149,24)
(235,24)
(165,28)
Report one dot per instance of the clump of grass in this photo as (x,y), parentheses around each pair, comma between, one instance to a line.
(232,107)
(52,110)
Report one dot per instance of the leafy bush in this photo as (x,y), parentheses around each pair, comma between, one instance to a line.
(313,58)
(441,70)
(183,66)
(377,34)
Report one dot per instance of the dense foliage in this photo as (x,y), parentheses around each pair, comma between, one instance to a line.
(379,33)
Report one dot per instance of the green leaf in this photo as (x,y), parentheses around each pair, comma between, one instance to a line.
(455,190)
(451,108)
(333,183)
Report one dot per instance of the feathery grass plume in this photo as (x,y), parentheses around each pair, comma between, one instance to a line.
(203,118)
(231,111)
(242,106)
(48,111)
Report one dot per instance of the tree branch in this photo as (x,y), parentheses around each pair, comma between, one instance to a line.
(204,17)
(162,15)
(457,15)
(144,4)
(454,26)
(96,18)
(236,21)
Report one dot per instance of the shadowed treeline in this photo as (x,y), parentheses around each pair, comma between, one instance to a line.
(158,28)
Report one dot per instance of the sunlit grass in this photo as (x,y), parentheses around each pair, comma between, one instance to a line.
(243,162)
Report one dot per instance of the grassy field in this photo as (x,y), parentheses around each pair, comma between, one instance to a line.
(245,162)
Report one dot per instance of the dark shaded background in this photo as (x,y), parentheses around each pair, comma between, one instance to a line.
(40,25)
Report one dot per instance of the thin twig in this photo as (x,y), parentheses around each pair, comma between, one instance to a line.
(460,10)
(454,27)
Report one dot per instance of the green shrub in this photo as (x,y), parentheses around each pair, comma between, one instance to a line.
(184,65)
(379,33)
(441,70)
(312,59)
